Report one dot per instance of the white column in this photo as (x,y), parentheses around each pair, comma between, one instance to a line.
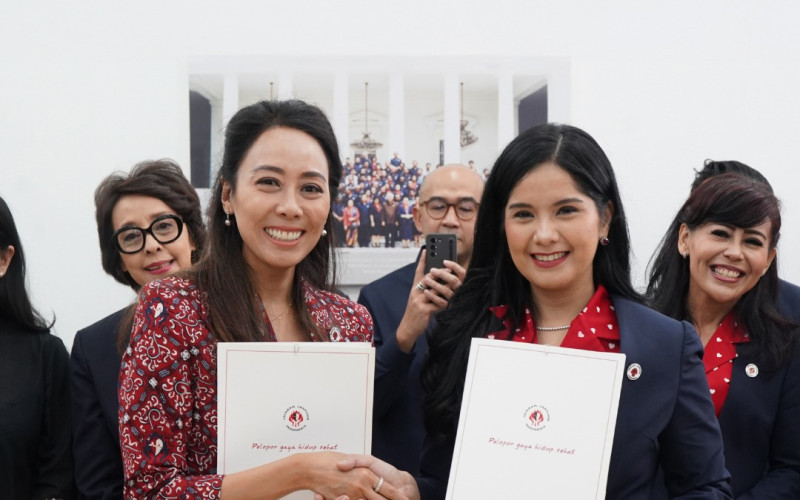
(217,137)
(506,123)
(341,113)
(285,85)
(230,97)
(452,120)
(397,116)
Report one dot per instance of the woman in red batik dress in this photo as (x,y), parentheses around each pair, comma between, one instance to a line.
(264,278)
(352,220)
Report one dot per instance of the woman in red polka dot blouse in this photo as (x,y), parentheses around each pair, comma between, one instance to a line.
(716,268)
(551,265)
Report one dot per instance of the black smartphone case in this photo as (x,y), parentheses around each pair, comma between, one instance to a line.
(438,248)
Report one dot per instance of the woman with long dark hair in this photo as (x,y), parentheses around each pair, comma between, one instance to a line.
(35,458)
(716,268)
(149,226)
(266,277)
(551,266)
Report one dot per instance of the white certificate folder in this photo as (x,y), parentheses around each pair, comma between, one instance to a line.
(279,398)
(536,422)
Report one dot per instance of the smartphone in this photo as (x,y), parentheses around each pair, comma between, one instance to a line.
(438,248)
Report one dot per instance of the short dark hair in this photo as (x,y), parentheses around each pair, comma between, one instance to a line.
(162,179)
(224,274)
(15,304)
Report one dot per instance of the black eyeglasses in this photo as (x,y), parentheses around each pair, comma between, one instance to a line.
(164,229)
(437,208)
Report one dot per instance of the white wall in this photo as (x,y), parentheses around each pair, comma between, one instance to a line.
(94,87)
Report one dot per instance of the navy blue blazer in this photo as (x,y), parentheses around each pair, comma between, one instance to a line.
(760,424)
(760,420)
(94,376)
(789,300)
(397,426)
(665,419)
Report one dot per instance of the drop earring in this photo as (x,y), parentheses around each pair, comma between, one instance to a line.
(227,218)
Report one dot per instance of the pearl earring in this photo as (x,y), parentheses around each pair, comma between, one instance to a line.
(324,232)
(227,218)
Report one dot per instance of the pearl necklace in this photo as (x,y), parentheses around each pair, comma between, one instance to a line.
(551,328)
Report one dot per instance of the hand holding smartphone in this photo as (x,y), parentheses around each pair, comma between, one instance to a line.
(438,248)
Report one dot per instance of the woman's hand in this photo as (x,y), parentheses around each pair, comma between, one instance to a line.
(396,485)
(320,472)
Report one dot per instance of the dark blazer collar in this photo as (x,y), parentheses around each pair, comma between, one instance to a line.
(631,338)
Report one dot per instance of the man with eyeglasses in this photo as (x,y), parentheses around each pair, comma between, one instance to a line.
(402,304)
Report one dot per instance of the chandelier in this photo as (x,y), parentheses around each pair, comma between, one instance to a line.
(367,144)
(467,137)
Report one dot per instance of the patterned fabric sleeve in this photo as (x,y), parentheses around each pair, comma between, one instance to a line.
(343,319)
(167,394)
(364,322)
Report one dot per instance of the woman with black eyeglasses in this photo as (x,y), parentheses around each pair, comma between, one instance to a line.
(150,226)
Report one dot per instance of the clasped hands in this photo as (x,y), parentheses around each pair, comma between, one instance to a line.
(387,481)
